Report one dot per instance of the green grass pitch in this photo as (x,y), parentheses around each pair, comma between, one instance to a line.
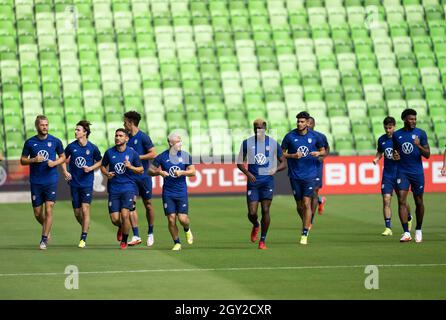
(223,263)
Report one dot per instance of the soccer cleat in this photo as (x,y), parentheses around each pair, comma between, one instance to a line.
(42,245)
(150,240)
(387,232)
(418,236)
(119,235)
(176,247)
(409,224)
(189,237)
(82,244)
(406,237)
(303,239)
(262,245)
(321,206)
(254,233)
(135,241)
(123,246)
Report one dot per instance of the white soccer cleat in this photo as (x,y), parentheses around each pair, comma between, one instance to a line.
(150,240)
(406,237)
(135,241)
(42,245)
(418,236)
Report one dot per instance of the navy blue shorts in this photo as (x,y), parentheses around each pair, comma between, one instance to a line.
(144,186)
(260,191)
(81,195)
(122,200)
(415,181)
(41,193)
(388,184)
(302,188)
(175,205)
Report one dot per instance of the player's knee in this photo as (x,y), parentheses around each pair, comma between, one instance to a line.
(171,218)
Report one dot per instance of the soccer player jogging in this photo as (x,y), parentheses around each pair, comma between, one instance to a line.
(174,165)
(261,153)
(302,148)
(318,202)
(389,176)
(40,152)
(409,145)
(84,157)
(143,145)
(123,163)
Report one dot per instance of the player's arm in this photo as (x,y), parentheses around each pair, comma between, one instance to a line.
(25,159)
(157,171)
(135,169)
(104,164)
(320,153)
(241,160)
(327,151)
(106,173)
(396,154)
(96,165)
(149,155)
(424,148)
(287,155)
(378,157)
(189,172)
(59,161)
(65,172)
(282,163)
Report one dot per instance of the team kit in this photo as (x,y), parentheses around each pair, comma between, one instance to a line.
(133,160)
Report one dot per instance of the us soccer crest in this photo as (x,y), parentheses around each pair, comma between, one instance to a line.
(87,152)
(310,140)
(414,136)
(49,144)
(136,141)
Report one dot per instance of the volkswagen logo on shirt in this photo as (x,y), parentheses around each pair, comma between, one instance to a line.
(120,168)
(172,170)
(44,154)
(389,153)
(80,162)
(260,159)
(407,147)
(304,150)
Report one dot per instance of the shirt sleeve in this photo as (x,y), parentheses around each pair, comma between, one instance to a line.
(106,160)
(97,154)
(325,141)
(319,142)
(188,160)
(423,138)
(379,146)
(285,143)
(279,151)
(157,161)
(59,147)
(68,151)
(26,149)
(147,143)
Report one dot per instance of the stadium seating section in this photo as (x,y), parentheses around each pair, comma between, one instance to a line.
(204,67)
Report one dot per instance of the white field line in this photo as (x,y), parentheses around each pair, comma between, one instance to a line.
(426,265)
